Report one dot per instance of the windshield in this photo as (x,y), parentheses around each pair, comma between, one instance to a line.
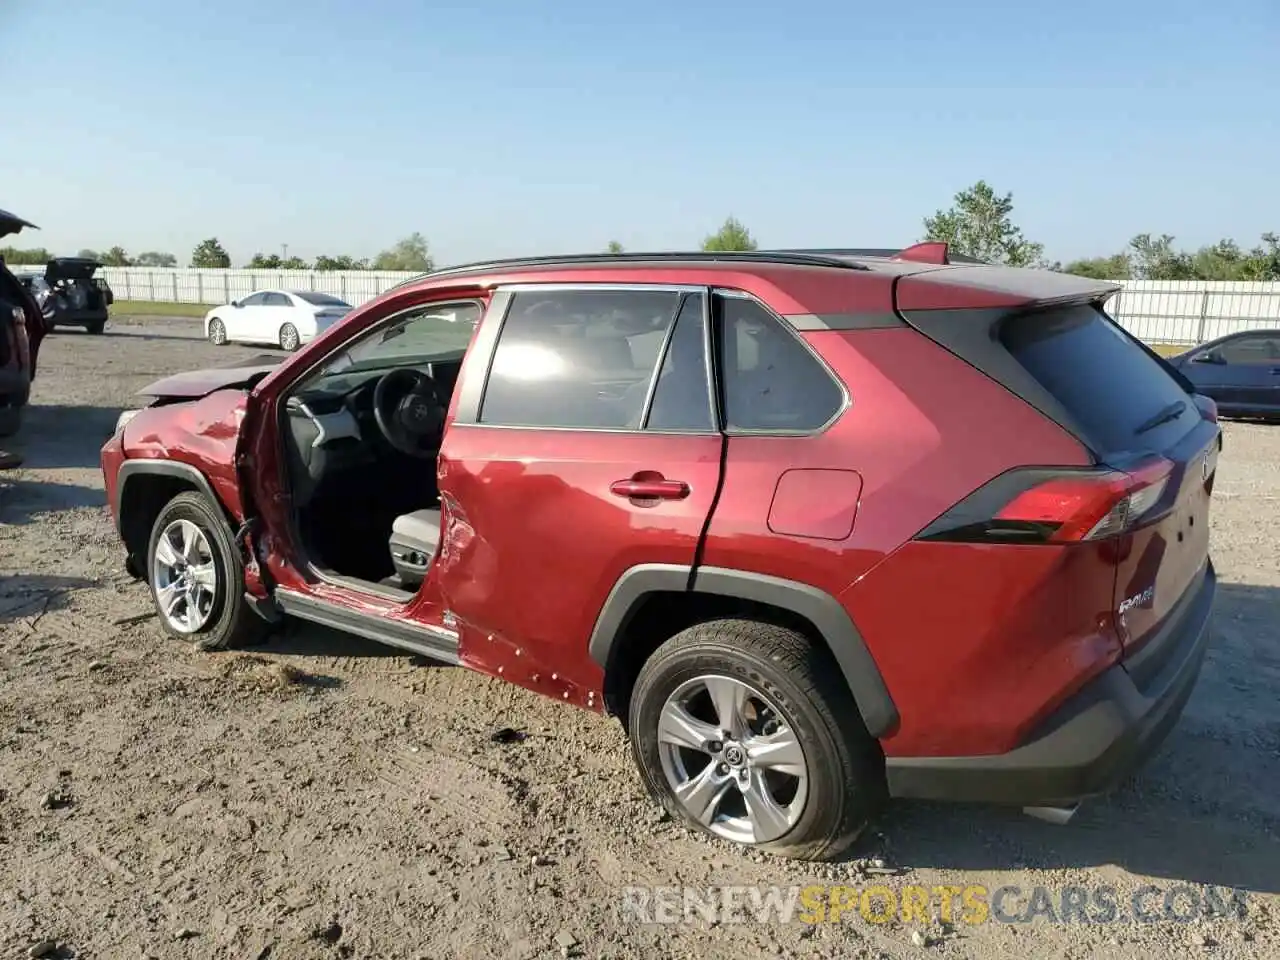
(321,299)
(432,333)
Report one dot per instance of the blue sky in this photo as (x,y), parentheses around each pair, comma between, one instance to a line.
(503,128)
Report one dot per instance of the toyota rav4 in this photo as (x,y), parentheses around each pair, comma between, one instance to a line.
(819,527)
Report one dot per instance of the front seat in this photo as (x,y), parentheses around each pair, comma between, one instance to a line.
(414,538)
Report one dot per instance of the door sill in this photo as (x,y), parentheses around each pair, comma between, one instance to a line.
(437,643)
(380,590)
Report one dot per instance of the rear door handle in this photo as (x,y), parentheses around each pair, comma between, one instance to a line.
(650,489)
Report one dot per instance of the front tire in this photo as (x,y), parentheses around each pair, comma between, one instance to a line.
(217,333)
(197,576)
(746,732)
(289,339)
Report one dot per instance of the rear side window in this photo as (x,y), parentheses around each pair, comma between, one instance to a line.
(771,380)
(578,358)
(1106,382)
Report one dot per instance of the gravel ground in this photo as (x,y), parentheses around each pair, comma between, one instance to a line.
(324,797)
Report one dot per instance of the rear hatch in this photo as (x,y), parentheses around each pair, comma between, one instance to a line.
(1139,419)
(70,268)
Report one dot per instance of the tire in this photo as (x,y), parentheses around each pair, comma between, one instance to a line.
(844,781)
(10,420)
(226,620)
(96,327)
(217,333)
(289,340)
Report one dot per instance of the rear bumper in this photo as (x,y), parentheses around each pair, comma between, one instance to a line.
(1096,739)
(80,317)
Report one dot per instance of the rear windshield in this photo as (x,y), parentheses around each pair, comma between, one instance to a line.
(321,299)
(1105,381)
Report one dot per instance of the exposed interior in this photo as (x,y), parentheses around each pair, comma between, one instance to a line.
(362,433)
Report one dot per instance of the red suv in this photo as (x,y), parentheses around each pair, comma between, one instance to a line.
(820,527)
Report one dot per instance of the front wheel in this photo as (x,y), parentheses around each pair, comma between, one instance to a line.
(745,730)
(197,577)
(289,339)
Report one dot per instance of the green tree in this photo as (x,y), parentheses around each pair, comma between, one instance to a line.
(1154,258)
(1114,267)
(732,236)
(264,261)
(116,257)
(980,225)
(294,263)
(15,255)
(410,253)
(340,263)
(614,247)
(154,258)
(210,254)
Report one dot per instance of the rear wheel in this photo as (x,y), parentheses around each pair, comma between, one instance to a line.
(96,327)
(10,420)
(197,576)
(217,333)
(744,730)
(289,338)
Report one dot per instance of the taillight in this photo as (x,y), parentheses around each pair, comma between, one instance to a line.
(1067,507)
(1207,406)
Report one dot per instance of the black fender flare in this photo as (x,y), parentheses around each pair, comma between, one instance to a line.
(162,468)
(824,611)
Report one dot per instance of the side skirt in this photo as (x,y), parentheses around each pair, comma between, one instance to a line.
(433,642)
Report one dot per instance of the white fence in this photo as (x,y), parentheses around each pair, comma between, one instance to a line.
(1157,311)
(191,285)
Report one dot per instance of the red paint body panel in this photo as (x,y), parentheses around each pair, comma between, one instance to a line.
(979,642)
(203,434)
(534,539)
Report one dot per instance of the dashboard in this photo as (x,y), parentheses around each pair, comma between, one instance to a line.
(331,426)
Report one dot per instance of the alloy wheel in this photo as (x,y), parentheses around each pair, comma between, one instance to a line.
(733,761)
(184,576)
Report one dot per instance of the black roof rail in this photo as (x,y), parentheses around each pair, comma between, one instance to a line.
(799,258)
(880,253)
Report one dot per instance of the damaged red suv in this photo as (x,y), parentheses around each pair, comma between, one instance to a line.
(820,527)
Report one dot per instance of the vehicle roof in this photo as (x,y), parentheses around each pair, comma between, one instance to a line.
(800,279)
(1236,334)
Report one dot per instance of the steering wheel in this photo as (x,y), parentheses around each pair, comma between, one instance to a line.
(408,411)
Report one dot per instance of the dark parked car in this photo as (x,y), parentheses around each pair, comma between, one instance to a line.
(69,294)
(21,329)
(1240,371)
(819,527)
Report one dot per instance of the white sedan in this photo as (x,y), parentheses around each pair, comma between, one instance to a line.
(288,318)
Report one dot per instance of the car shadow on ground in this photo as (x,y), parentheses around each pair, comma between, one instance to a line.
(298,638)
(139,332)
(24,501)
(1204,810)
(57,437)
(29,597)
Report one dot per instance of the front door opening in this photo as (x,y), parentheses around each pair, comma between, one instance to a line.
(361,437)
